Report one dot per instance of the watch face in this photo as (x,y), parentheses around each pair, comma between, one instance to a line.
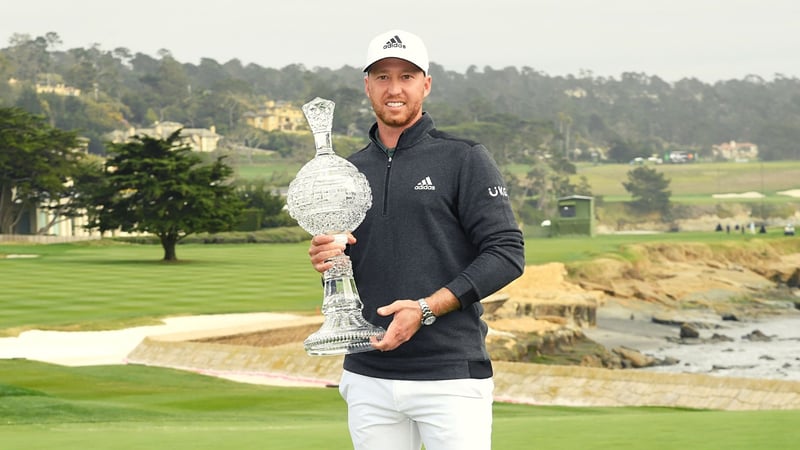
(427,315)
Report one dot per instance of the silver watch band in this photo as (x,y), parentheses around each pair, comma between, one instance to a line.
(428,317)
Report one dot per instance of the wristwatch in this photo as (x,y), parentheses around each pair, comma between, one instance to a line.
(427,315)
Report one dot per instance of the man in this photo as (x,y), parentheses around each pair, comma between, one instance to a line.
(439,237)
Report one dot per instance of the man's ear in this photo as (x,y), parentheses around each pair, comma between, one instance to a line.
(428,81)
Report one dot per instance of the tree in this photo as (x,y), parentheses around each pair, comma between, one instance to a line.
(621,151)
(36,163)
(30,55)
(168,86)
(159,186)
(778,141)
(648,187)
(258,196)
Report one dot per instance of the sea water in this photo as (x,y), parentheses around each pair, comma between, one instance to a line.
(778,358)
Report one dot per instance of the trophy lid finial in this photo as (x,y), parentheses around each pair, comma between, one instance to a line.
(319,114)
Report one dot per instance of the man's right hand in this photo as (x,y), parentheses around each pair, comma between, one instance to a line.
(324,247)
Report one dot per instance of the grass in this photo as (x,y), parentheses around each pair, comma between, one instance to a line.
(107,285)
(568,249)
(689,183)
(110,285)
(693,183)
(89,286)
(135,407)
(279,172)
(116,407)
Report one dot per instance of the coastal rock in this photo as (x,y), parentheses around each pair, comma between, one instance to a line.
(786,271)
(686,286)
(634,358)
(692,275)
(720,338)
(688,331)
(543,291)
(679,320)
(757,336)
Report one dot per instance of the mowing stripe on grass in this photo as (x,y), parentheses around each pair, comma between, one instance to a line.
(78,283)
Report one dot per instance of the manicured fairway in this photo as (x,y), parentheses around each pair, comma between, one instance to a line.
(93,285)
(702,179)
(111,285)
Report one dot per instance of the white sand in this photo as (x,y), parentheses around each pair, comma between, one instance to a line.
(750,194)
(791,193)
(91,348)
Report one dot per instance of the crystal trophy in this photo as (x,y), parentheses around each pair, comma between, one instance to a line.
(330,196)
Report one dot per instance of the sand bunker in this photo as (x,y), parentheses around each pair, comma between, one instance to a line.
(791,193)
(739,195)
(91,348)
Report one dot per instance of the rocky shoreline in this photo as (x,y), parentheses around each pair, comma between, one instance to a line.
(764,347)
(681,309)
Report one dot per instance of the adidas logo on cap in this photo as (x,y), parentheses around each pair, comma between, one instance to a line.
(398,44)
(394,42)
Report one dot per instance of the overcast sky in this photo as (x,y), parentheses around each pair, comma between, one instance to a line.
(707,39)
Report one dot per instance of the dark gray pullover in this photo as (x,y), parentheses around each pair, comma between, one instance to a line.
(440,216)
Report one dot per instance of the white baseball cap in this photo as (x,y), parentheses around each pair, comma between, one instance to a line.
(397,44)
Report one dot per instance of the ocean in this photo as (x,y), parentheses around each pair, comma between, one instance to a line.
(778,358)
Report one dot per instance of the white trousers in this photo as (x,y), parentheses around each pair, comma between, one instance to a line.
(401,415)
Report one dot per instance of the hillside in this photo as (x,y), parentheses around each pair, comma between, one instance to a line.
(519,115)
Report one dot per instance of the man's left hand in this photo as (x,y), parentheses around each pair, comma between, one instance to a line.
(406,322)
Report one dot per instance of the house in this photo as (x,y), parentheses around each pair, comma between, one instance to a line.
(49,88)
(735,151)
(58,89)
(277,116)
(199,139)
(41,220)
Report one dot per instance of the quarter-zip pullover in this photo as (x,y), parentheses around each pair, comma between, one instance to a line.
(440,216)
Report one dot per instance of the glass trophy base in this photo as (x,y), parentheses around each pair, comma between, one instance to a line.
(341,341)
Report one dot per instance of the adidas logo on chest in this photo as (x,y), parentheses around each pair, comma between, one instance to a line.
(425,185)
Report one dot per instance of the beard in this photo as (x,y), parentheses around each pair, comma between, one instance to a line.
(397,117)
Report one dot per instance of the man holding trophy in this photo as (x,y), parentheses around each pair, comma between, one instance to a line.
(439,236)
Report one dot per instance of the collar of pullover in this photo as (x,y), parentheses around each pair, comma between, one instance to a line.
(410,136)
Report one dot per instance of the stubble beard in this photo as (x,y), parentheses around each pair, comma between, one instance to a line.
(393,119)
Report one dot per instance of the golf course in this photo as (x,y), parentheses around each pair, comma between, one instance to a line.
(107,285)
